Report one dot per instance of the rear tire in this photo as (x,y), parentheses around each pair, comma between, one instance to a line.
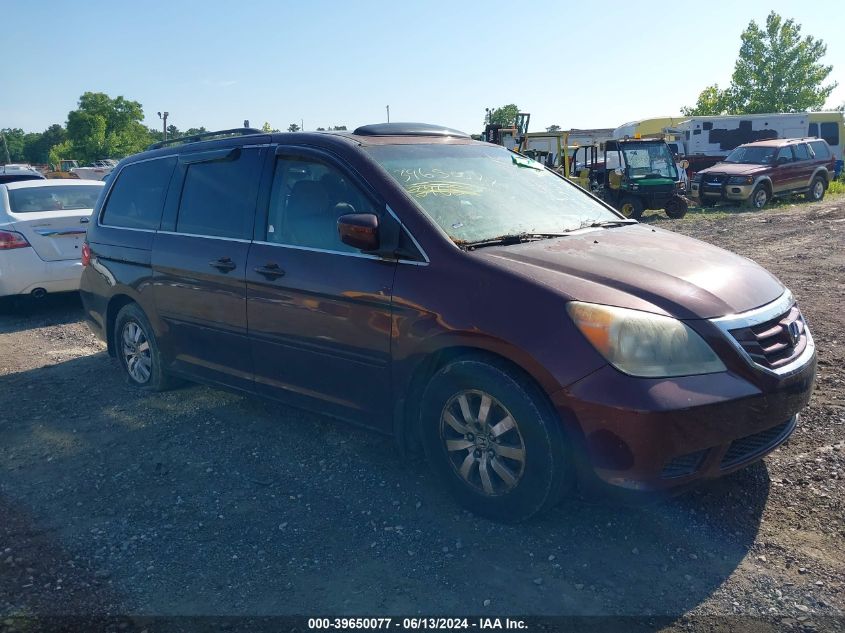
(708,203)
(138,352)
(759,198)
(817,189)
(494,442)
(676,208)
(631,207)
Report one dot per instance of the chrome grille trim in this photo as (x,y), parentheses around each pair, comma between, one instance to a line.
(760,315)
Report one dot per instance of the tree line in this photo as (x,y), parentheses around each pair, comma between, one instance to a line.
(100,127)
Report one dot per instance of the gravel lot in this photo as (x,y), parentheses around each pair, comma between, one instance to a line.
(198,501)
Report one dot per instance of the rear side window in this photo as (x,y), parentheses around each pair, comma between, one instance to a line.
(219,196)
(821,149)
(830,132)
(801,152)
(137,197)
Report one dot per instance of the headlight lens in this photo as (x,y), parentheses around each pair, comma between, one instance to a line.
(740,180)
(697,177)
(644,344)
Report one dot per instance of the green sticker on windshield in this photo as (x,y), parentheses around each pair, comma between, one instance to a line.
(522,161)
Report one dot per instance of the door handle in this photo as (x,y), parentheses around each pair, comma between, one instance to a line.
(224,264)
(84,220)
(270,271)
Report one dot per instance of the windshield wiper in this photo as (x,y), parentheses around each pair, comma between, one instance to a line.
(507,240)
(604,224)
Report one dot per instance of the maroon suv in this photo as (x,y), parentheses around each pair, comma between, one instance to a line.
(755,173)
(455,294)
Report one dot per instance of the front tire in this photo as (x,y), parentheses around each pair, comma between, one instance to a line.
(759,198)
(137,350)
(817,189)
(493,441)
(631,207)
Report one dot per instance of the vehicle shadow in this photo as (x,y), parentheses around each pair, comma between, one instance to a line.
(203,502)
(24,313)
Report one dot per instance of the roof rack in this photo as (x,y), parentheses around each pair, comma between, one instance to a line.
(238,131)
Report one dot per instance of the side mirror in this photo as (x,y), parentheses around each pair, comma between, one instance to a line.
(359,230)
(684,164)
(783,160)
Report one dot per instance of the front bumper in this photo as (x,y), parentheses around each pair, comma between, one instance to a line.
(652,434)
(701,190)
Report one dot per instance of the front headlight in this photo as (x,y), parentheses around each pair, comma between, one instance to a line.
(740,180)
(697,177)
(644,344)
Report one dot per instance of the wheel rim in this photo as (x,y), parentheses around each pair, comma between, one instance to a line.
(760,198)
(483,442)
(818,189)
(627,209)
(136,352)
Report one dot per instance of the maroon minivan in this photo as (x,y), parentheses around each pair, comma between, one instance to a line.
(478,306)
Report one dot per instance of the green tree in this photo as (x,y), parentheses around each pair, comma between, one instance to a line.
(553,128)
(776,71)
(293,127)
(38,145)
(504,116)
(14,138)
(711,102)
(102,127)
(339,128)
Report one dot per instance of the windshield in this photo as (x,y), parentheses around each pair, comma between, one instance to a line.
(67,197)
(649,160)
(481,192)
(751,155)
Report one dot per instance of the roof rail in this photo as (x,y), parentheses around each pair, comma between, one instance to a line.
(238,131)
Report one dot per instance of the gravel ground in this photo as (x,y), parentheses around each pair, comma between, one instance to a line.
(200,502)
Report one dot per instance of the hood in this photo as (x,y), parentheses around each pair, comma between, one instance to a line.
(643,268)
(735,169)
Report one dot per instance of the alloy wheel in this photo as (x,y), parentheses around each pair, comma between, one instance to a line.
(761,197)
(136,352)
(818,190)
(483,442)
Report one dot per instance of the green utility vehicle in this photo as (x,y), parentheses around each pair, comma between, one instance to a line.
(635,175)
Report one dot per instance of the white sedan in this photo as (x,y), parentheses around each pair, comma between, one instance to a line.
(42,229)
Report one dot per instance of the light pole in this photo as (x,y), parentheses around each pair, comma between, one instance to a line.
(388,113)
(163,116)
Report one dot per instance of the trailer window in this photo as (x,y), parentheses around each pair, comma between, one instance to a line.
(830,133)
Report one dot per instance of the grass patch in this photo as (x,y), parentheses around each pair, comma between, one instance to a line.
(836,187)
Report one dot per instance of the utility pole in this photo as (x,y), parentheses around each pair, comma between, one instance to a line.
(163,116)
(388,113)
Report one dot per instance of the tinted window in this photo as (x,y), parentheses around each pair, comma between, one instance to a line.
(218,197)
(59,198)
(19,177)
(306,200)
(801,152)
(137,197)
(820,149)
(814,129)
(830,133)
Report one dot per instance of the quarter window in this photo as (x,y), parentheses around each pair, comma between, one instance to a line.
(821,149)
(307,198)
(218,196)
(137,197)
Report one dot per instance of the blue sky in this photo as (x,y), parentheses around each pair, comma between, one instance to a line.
(217,63)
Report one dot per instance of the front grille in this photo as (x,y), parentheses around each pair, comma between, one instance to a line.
(683,465)
(751,446)
(776,342)
(714,179)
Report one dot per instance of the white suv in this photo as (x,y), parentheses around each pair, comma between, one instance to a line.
(42,228)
